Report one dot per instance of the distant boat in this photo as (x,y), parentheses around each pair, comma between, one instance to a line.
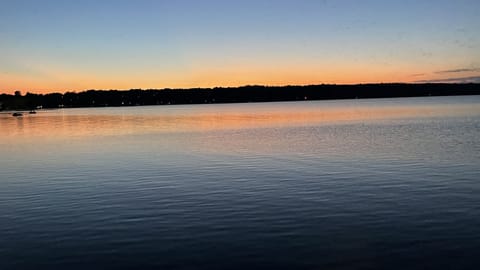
(32,112)
(17,114)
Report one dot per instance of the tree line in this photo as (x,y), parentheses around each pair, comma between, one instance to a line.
(255,93)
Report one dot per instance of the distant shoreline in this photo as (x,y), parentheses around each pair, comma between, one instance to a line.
(243,94)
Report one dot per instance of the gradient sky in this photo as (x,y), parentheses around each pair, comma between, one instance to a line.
(73,45)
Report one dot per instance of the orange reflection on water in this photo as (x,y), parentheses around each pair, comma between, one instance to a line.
(71,124)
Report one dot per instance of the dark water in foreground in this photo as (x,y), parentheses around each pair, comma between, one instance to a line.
(361,184)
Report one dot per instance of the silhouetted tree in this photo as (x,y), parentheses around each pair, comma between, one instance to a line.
(251,93)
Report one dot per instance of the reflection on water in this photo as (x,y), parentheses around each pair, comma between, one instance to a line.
(385,184)
(72,123)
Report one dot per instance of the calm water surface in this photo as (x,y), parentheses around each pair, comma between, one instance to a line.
(358,184)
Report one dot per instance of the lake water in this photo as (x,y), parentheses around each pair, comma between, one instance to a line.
(352,184)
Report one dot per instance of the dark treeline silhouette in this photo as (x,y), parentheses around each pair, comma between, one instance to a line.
(135,97)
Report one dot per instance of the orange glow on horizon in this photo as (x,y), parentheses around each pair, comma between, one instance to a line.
(208,77)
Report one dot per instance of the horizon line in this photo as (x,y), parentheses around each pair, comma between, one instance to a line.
(244,86)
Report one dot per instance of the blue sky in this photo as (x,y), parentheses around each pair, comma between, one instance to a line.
(75,45)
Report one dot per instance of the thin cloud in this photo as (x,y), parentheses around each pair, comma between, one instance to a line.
(458,70)
(473,79)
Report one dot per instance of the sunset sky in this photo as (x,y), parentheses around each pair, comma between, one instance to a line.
(73,45)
